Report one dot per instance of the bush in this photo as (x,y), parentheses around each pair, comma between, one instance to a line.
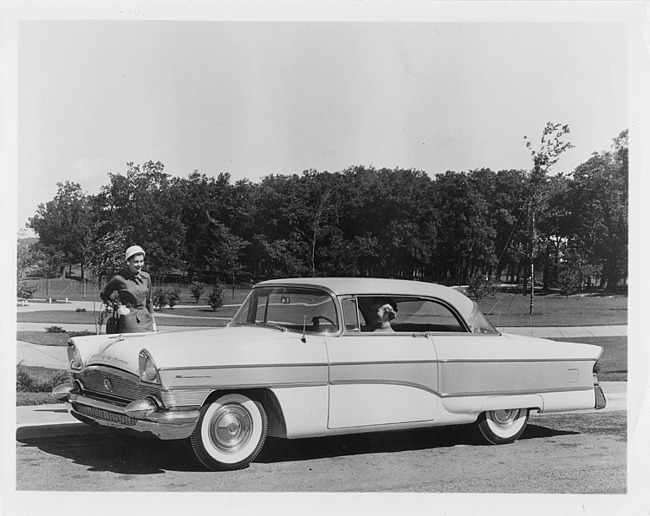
(197,289)
(173,296)
(163,297)
(216,297)
(160,298)
(55,329)
(24,399)
(25,290)
(80,310)
(26,382)
(481,286)
(569,281)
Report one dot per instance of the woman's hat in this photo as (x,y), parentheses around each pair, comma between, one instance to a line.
(132,251)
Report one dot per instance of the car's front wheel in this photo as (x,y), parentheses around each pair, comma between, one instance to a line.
(230,432)
(503,426)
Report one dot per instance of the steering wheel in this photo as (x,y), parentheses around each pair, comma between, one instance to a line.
(316,321)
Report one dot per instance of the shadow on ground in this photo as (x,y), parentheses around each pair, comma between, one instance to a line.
(101,450)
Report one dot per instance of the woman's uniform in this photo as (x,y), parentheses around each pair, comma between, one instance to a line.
(134,292)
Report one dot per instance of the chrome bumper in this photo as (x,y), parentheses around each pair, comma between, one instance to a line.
(142,416)
(601,402)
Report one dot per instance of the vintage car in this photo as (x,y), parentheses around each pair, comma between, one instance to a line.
(297,360)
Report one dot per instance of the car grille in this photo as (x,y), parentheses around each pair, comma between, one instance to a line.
(104,415)
(108,384)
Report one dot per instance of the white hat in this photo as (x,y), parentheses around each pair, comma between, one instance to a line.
(133,250)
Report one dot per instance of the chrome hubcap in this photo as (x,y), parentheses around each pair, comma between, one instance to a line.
(231,428)
(505,418)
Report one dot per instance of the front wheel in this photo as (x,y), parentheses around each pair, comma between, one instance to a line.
(230,433)
(503,426)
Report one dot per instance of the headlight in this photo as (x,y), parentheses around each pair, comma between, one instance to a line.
(74,357)
(148,371)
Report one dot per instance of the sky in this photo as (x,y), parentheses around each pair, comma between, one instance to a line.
(254,98)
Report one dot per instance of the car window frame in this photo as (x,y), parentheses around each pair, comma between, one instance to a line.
(465,330)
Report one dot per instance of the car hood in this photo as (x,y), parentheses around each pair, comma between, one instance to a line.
(242,345)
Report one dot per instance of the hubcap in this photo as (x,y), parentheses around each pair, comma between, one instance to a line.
(231,428)
(505,417)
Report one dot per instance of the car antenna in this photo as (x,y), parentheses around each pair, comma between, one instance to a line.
(304,329)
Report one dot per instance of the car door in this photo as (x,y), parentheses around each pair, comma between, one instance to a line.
(380,378)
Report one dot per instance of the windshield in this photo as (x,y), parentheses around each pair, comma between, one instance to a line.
(289,308)
(478,323)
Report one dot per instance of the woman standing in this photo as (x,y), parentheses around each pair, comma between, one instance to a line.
(133,285)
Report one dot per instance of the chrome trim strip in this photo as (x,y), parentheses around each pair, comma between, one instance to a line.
(418,386)
(509,360)
(244,366)
(463,394)
(251,385)
(512,393)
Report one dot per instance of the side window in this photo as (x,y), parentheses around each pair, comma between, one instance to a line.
(350,314)
(425,315)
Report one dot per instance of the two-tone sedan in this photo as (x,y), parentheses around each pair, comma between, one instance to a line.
(326,356)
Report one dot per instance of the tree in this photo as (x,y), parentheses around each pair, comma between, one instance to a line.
(63,224)
(551,146)
(142,205)
(600,218)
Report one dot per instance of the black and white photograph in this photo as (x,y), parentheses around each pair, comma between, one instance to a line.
(325,256)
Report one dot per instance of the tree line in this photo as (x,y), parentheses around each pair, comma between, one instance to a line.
(361,221)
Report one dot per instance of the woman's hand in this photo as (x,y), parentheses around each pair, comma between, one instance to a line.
(123,310)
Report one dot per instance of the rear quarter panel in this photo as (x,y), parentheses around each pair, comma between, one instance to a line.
(482,372)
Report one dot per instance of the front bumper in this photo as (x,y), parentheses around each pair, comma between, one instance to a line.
(141,416)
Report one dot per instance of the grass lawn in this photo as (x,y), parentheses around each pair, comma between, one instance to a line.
(613,361)
(555,310)
(170,317)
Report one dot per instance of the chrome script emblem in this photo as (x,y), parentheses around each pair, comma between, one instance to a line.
(107,385)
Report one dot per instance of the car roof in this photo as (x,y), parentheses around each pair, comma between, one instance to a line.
(381,287)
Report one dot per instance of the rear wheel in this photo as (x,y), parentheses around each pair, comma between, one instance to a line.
(230,433)
(503,426)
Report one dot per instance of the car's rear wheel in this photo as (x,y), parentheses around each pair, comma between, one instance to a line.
(503,426)
(230,432)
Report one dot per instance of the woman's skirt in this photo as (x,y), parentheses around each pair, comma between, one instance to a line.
(135,322)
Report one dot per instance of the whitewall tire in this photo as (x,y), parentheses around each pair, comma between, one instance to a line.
(230,432)
(503,426)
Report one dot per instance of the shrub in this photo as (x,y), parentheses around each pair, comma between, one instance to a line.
(25,290)
(55,329)
(160,298)
(24,399)
(163,297)
(569,281)
(197,289)
(481,286)
(216,297)
(173,296)
(80,310)
(26,382)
